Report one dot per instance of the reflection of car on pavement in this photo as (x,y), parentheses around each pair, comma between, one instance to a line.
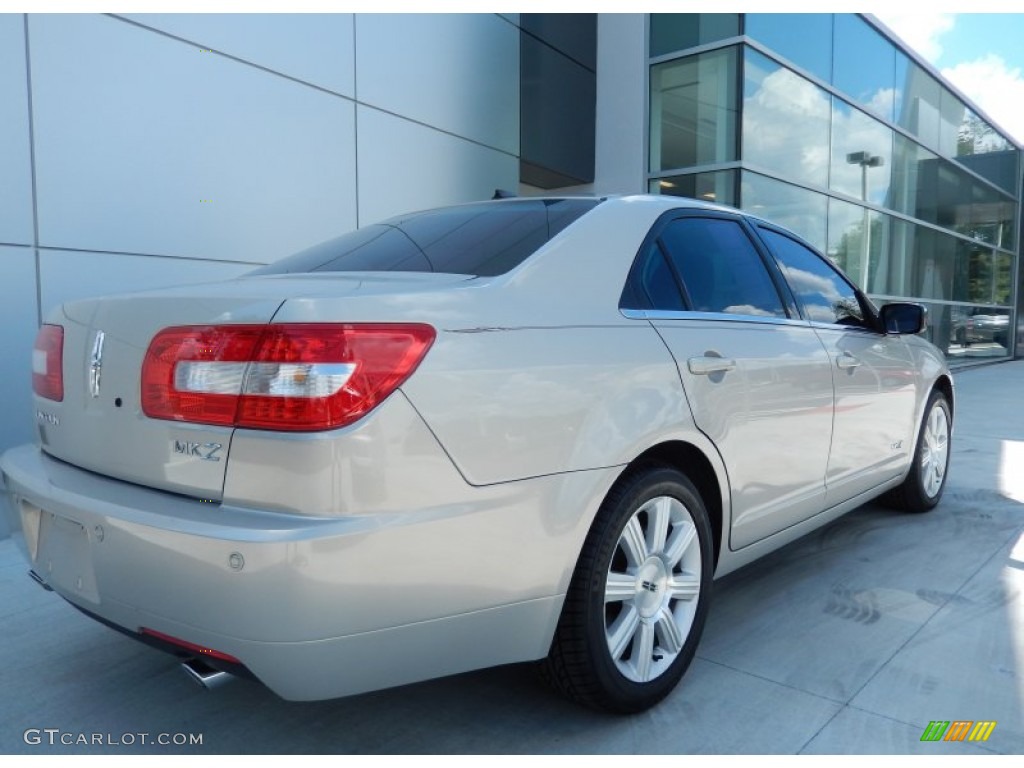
(981,328)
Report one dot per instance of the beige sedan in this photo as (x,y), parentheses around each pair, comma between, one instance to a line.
(530,429)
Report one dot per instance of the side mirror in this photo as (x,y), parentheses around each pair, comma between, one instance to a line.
(904,318)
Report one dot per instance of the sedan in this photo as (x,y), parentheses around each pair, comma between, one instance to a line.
(520,430)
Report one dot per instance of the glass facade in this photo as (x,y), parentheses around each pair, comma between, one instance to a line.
(672,32)
(785,121)
(822,124)
(693,110)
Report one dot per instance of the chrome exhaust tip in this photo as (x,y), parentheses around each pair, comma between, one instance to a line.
(204,675)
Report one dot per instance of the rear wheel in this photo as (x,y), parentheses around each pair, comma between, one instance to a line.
(637,602)
(924,484)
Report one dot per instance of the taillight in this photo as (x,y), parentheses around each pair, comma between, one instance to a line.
(48,363)
(291,377)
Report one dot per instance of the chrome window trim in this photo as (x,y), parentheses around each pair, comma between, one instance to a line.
(665,314)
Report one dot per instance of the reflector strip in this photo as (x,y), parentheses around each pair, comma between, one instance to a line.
(203,651)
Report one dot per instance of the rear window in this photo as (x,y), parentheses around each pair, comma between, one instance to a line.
(483,239)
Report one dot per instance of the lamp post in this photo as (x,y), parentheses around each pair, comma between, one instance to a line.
(865,160)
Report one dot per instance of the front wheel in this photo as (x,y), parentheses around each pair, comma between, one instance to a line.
(924,484)
(639,595)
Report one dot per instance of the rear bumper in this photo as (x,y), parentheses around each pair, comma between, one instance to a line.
(314,607)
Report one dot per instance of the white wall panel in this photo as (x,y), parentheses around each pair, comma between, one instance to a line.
(315,47)
(405,167)
(134,131)
(619,165)
(15,167)
(459,72)
(18,320)
(68,275)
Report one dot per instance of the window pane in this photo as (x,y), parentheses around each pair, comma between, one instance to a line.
(803,38)
(952,115)
(987,153)
(679,31)
(978,332)
(917,102)
(1004,278)
(478,239)
(950,197)
(990,216)
(933,259)
(721,270)
(785,121)
(657,282)
(693,110)
(894,276)
(864,65)
(974,277)
(861,154)
(923,263)
(377,248)
(799,210)
(716,187)
(912,165)
(863,259)
(822,292)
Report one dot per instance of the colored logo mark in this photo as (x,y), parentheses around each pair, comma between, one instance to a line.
(958,730)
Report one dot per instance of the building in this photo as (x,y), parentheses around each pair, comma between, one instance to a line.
(827,124)
(147,150)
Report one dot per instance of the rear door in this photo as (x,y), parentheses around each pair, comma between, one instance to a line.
(756,376)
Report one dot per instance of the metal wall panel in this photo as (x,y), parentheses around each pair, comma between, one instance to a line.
(15,167)
(146,144)
(18,320)
(314,47)
(458,72)
(68,275)
(405,167)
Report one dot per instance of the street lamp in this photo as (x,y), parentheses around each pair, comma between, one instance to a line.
(865,160)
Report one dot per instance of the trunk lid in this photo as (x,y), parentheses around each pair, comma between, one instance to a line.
(103,429)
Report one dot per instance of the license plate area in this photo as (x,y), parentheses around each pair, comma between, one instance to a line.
(64,557)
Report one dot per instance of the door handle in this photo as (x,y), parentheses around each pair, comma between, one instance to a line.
(847,361)
(703,366)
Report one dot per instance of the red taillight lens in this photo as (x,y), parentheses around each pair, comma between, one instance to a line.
(292,377)
(48,363)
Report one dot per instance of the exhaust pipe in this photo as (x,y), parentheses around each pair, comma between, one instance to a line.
(40,581)
(204,675)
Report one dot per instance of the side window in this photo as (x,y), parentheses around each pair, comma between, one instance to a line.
(657,282)
(651,284)
(826,297)
(720,268)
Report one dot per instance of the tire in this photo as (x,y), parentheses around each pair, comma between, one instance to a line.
(923,486)
(639,596)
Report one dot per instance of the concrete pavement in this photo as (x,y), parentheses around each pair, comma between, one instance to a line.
(849,641)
